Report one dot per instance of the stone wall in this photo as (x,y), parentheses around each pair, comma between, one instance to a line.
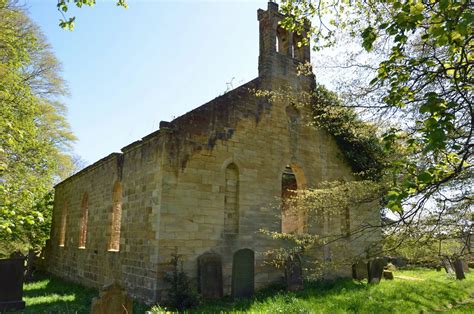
(133,265)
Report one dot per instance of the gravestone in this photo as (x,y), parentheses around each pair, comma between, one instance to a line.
(458,269)
(448,267)
(387,274)
(11,283)
(359,271)
(210,276)
(243,272)
(375,269)
(113,299)
(465,266)
(294,273)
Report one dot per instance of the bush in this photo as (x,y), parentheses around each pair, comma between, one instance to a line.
(181,294)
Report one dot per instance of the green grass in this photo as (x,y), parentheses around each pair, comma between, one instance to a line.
(49,294)
(432,292)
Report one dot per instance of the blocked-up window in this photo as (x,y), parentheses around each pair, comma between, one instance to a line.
(346,222)
(297,47)
(231,207)
(114,243)
(289,211)
(282,41)
(84,219)
(62,230)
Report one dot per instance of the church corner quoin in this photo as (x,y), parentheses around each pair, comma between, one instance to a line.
(200,186)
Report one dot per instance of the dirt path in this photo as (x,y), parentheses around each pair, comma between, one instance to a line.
(408,278)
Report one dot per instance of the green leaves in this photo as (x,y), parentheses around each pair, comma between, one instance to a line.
(63,7)
(33,130)
(368,38)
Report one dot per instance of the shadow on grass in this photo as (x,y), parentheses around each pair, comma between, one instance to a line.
(48,294)
(277,292)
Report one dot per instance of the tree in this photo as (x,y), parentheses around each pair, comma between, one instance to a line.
(423,77)
(34,134)
(63,7)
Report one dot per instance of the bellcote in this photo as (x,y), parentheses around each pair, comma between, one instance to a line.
(279,53)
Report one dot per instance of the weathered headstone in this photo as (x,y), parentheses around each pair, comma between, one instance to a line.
(113,299)
(294,273)
(359,271)
(387,274)
(243,274)
(210,276)
(11,283)
(375,269)
(465,266)
(448,267)
(458,269)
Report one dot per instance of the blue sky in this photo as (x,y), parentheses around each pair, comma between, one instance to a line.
(129,69)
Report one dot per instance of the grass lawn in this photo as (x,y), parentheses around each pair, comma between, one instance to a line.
(415,291)
(412,291)
(52,295)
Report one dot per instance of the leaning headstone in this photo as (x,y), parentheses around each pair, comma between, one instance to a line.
(375,270)
(387,274)
(243,274)
(210,276)
(294,273)
(359,271)
(113,299)
(458,268)
(448,267)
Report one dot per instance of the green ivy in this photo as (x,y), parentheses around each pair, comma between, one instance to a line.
(357,139)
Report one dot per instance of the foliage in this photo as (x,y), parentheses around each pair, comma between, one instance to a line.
(437,234)
(181,294)
(328,203)
(34,134)
(63,7)
(359,141)
(422,290)
(425,75)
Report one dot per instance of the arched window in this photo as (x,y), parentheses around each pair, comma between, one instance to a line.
(297,47)
(62,230)
(231,206)
(83,228)
(289,212)
(114,243)
(282,41)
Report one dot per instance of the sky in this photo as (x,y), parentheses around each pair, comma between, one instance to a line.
(129,69)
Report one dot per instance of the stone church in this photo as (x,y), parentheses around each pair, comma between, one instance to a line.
(200,187)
